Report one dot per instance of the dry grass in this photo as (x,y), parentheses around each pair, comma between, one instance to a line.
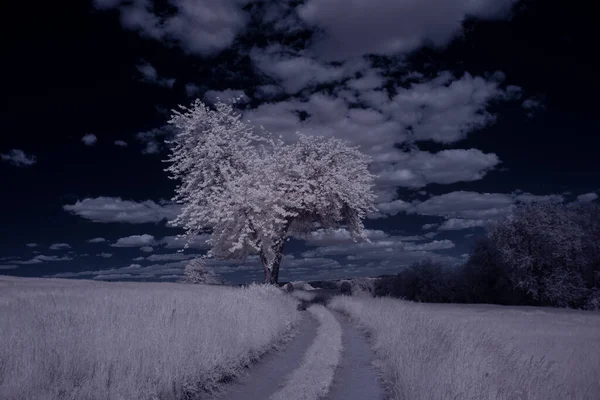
(68,339)
(433,352)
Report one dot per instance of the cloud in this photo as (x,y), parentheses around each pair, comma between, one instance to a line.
(323,237)
(154,139)
(532,104)
(390,246)
(455,224)
(390,208)
(468,205)
(390,27)
(97,240)
(150,75)
(114,209)
(89,139)
(135,241)
(191,89)
(42,258)
(429,226)
(431,246)
(7,267)
(147,249)
(587,197)
(225,95)
(171,257)
(120,143)
(464,209)
(31,245)
(105,255)
(444,109)
(296,72)
(18,158)
(417,169)
(199,27)
(198,242)
(59,246)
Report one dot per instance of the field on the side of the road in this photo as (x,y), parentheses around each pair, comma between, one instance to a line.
(76,339)
(449,351)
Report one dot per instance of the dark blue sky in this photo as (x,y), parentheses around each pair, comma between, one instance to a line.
(465,111)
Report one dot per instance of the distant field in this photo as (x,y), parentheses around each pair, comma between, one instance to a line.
(447,351)
(73,339)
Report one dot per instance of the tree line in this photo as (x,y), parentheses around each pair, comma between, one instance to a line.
(543,254)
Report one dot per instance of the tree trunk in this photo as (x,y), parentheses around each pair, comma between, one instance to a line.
(272,276)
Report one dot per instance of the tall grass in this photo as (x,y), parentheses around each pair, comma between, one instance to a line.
(454,352)
(67,339)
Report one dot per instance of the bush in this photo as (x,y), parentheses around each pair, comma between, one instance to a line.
(424,281)
(362,287)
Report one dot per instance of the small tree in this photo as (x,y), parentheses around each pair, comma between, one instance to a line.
(253,191)
(196,272)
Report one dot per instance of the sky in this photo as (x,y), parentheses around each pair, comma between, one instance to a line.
(465,108)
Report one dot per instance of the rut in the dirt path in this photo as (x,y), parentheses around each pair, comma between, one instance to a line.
(262,379)
(356,378)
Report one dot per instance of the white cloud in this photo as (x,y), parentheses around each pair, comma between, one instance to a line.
(147,249)
(114,209)
(296,72)
(7,267)
(120,143)
(587,197)
(150,75)
(429,226)
(18,158)
(225,95)
(198,242)
(42,258)
(431,246)
(135,241)
(154,139)
(31,245)
(468,205)
(416,169)
(393,207)
(171,257)
(323,237)
(97,240)
(200,27)
(390,246)
(89,140)
(390,27)
(59,246)
(105,255)
(464,209)
(444,109)
(191,89)
(455,224)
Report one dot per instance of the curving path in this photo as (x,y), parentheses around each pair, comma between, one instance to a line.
(355,377)
(263,379)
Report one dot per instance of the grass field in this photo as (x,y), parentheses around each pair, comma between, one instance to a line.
(447,351)
(74,339)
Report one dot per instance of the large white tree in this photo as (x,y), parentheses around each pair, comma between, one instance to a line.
(253,191)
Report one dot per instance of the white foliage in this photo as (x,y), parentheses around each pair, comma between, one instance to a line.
(253,191)
(196,272)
